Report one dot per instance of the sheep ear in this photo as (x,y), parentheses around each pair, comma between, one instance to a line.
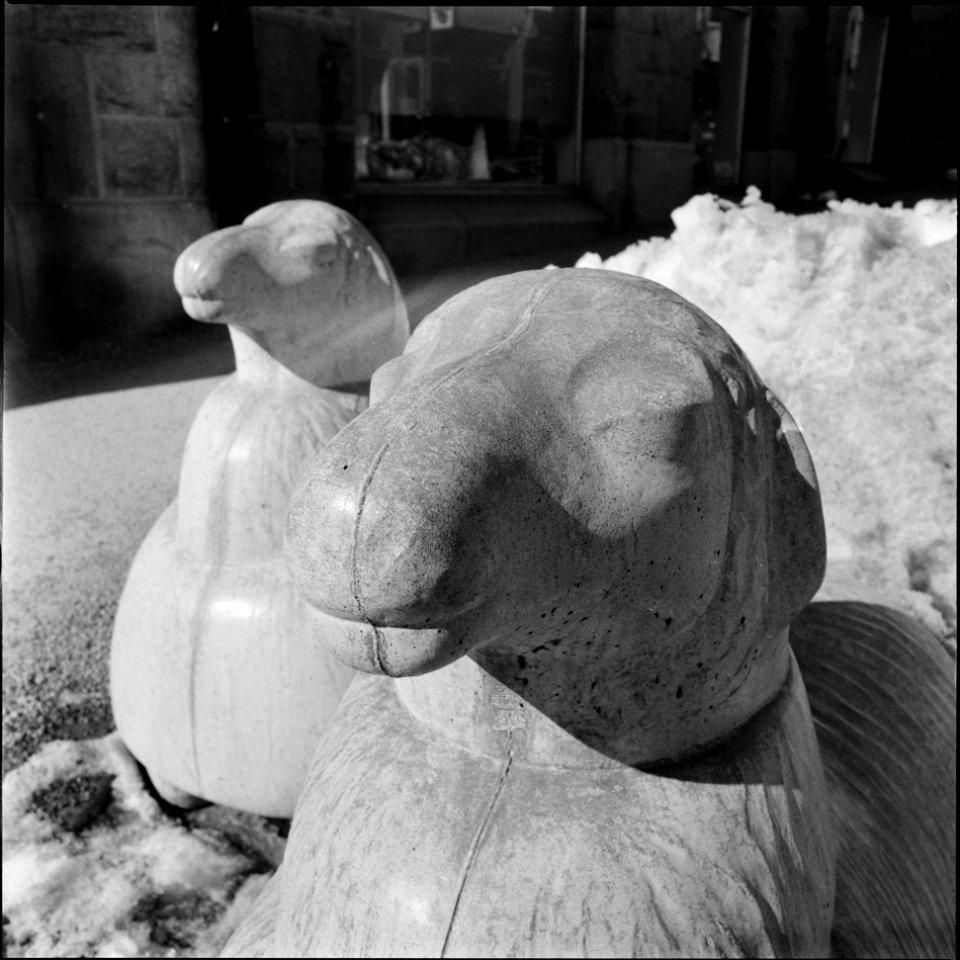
(797,536)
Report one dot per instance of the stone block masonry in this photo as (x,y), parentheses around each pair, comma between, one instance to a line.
(637,153)
(104,166)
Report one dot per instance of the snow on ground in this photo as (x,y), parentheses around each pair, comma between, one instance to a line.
(849,315)
(92,867)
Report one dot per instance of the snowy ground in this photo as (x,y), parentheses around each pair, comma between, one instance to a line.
(92,867)
(850,315)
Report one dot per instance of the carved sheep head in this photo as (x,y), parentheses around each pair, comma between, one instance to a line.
(307,282)
(576,478)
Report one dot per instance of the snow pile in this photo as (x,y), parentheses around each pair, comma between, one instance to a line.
(850,317)
(93,868)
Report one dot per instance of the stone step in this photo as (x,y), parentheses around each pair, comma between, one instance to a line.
(423,231)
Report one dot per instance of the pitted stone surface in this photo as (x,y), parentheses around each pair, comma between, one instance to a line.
(579,478)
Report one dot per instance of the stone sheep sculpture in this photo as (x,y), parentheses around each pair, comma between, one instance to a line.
(217,687)
(567,543)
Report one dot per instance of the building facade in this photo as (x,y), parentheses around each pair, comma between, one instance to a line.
(454,132)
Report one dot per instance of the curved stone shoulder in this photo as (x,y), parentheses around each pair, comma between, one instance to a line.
(406,844)
(253,938)
(218,684)
(883,700)
(245,452)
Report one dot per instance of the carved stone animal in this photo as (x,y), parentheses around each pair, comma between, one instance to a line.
(573,530)
(574,527)
(217,687)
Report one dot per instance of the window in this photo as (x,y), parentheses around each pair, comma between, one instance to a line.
(457,94)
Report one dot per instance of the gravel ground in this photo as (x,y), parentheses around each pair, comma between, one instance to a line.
(84,479)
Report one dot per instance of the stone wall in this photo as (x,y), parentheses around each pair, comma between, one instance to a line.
(305,72)
(132,130)
(787,95)
(916,127)
(104,168)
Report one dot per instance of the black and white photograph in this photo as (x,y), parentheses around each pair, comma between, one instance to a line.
(479,481)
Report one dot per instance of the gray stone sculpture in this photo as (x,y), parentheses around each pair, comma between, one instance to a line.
(573,530)
(217,687)
(883,697)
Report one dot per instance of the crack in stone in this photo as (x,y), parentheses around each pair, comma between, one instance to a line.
(474,848)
